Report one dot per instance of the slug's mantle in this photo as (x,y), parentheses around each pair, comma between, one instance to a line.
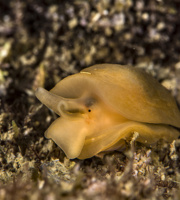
(103,105)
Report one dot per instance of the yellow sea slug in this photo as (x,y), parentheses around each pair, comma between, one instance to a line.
(103,105)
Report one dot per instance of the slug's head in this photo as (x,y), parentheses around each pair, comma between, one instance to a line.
(80,118)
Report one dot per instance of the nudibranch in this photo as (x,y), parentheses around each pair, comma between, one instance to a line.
(104,105)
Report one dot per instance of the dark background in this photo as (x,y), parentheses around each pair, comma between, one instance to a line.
(42,42)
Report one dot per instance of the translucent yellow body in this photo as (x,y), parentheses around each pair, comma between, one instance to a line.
(104,105)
